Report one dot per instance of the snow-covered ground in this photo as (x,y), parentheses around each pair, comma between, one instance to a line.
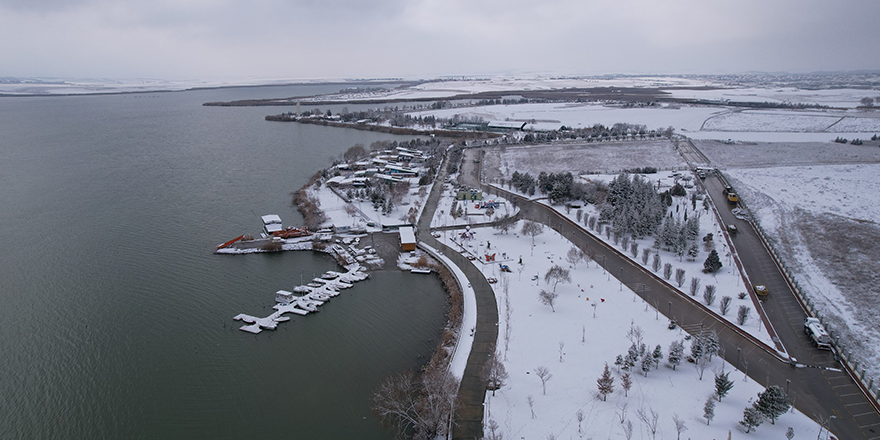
(453,87)
(472,214)
(579,158)
(728,281)
(823,221)
(550,116)
(334,207)
(79,86)
(574,344)
(776,154)
(847,98)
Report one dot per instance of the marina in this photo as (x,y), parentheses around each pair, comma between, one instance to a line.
(310,297)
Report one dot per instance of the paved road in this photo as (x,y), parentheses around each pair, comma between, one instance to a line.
(816,392)
(834,392)
(472,390)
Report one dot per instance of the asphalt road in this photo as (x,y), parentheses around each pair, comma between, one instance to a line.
(468,423)
(815,391)
(835,393)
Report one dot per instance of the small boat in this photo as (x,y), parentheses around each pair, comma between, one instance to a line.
(420,270)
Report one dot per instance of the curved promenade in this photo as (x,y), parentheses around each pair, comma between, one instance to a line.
(472,390)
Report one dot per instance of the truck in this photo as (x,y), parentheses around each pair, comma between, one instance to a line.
(816,331)
(732,198)
(762,291)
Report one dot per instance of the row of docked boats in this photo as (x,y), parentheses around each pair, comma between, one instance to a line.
(303,299)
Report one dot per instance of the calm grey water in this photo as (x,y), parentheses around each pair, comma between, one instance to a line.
(115,315)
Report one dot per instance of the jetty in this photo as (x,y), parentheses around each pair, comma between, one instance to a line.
(303,300)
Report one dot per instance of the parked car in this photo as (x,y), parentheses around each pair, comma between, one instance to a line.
(731,229)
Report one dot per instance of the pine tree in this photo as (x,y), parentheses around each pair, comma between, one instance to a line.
(712,263)
(626,382)
(693,251)
(751,418)
(676,351)
(772,403)
(657,355)
(619,362)
(723,384)
(632,356)
(605,383)
(647,362)
(697,347)
(709,409)
(711,344)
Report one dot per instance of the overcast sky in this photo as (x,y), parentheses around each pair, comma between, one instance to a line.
(202,39)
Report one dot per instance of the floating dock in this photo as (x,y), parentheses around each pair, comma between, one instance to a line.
(303,299)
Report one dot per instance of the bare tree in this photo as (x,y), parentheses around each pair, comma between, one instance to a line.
(543,374)
(742,315)
(561,350)
(695,286)
(494,373)
(709,295)
(679,425)
(701,363)
(628,430)
(650,419)
(548,298)
(574,256)
(351,210)
(635,335)
(531,403)
(580,418)
(621,412)
(724,304)
(420,406)
(533,230)
(492,431)
(679,277)
(556,275)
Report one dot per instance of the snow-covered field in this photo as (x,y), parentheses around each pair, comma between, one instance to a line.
(846,98)
(580,157)
(774,154)
(823,220)
(453,87)
(551,116)
(574,344)
(794,121)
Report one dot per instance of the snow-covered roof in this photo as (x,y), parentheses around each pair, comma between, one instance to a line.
(407,235)
(270,219)
(335,180)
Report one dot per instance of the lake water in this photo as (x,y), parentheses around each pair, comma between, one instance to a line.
(116,315)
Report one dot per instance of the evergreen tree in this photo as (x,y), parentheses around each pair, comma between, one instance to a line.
(709,409)
(626,382)
(619,362)
(697,347)
(711,344)
(632,356)
(723,384)
(712,263)
(657,355)
(605,383)
(772,403)
(647,362)
(693,251)
(676,352)
(751,418)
